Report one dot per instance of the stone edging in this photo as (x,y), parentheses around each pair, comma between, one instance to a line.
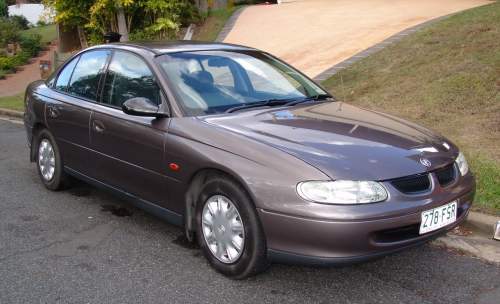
(11,113)
(374,49)
(482,221)
(229,24)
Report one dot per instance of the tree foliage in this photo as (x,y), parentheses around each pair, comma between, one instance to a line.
(9,32)
(145,19)
(4,9)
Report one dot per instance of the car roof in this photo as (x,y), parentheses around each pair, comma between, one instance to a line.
(175,46)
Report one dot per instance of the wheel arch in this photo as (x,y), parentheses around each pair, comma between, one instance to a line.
(37,127)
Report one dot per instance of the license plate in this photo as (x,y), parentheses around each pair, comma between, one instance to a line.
(436,218)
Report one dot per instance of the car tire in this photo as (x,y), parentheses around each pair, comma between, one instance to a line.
(49,163)
(252,258)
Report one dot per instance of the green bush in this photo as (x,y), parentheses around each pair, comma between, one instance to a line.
(21,21)
(7,63)
(4,8)
(9,32)
(31,44)
(140,35)
(42,23)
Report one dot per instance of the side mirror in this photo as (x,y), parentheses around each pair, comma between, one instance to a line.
(141,106)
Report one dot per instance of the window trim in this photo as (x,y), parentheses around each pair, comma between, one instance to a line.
(79,55)
(77,58)
(158,58)
(164,100)
(104,70)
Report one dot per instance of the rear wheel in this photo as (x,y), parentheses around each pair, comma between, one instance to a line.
(228,229)
(49,163)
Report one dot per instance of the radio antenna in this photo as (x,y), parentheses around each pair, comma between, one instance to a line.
(342,85)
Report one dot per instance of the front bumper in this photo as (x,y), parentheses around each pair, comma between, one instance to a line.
(302,240)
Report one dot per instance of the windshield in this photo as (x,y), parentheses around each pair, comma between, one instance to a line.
(208,82)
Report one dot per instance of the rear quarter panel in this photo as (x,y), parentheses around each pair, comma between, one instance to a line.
(34,108)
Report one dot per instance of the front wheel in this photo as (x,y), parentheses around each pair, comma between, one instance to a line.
(228,229)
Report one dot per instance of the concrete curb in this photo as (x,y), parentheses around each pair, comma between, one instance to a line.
(482,222)
(11,113)
(478,242)
(229,24)
(374,49)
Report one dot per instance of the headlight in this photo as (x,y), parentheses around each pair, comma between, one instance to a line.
(462,164)
(342,192)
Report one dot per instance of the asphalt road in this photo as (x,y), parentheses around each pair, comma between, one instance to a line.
(85,246)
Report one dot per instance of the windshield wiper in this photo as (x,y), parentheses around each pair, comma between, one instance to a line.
(310,98)
(263,103)
(278,102)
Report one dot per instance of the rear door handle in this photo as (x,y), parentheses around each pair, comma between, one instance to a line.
(53,112)
(98,126)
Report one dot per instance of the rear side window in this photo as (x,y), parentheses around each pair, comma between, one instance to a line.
(65,75)
(88,71)
(129,76)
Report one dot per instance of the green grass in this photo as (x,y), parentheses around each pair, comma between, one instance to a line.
(12,102)
(488,184)
(445,77)
(48,32)
(213,24)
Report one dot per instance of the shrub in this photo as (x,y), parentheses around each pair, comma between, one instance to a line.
(140,35)
(42,23)
(31,44)
(7,63)
(21,21)
(4,8)
(9,32)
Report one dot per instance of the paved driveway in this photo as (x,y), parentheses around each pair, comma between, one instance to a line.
(85,246)
(16,83)
(313,35)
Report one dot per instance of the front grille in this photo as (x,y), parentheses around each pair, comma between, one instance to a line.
(412,184)
(445,175)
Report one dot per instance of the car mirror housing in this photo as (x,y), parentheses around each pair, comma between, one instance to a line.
(141,106)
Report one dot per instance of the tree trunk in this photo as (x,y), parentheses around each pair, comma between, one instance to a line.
(122,24)
(81,36)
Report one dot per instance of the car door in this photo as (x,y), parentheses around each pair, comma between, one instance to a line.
(128,151)
(69,106)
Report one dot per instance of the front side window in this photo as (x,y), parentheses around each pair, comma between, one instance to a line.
(209,82)
(87,73)
(129,76)
(65,75)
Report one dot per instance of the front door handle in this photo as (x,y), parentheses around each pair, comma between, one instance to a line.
(98,126)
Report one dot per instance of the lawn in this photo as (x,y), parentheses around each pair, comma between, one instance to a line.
(213,24)
(12,102)
(48,32)
(445,77)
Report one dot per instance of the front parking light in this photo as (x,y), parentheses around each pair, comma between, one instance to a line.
(462,164)
(342,192)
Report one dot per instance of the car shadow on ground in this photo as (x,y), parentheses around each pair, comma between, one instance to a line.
(416,273)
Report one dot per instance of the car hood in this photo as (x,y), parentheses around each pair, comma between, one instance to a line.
(343,141)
